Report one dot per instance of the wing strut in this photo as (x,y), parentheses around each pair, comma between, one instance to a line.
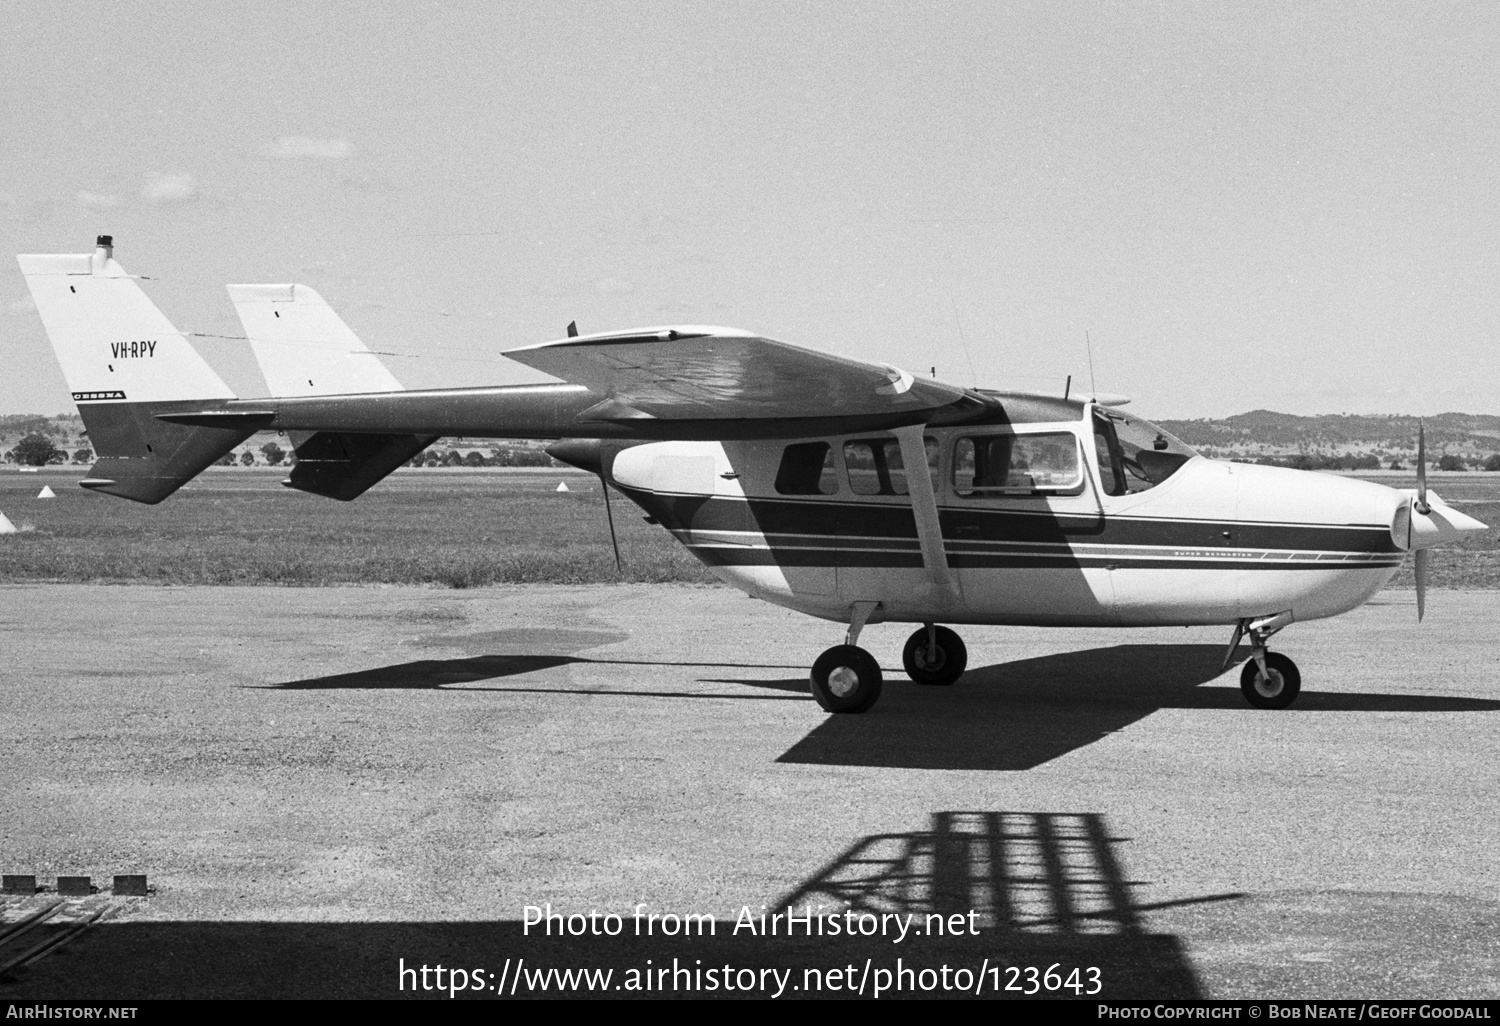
(925,511)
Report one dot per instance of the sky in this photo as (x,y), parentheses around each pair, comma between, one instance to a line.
(1240,205)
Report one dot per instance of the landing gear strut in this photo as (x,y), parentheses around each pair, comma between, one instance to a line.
(934,655)
(846,678)
(1269,680)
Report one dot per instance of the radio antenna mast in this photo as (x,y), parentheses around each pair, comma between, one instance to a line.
(1089,345)
(973,375)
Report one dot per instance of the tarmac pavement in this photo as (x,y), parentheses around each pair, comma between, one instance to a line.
(320,783)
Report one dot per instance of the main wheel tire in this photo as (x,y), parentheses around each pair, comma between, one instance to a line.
(952,657)
(1278,690)
(846,679)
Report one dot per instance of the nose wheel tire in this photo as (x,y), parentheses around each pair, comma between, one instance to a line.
(942,663)
(846,679)
(1277,689)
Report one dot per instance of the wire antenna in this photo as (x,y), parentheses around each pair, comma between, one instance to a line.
(1088,344)
(973,374)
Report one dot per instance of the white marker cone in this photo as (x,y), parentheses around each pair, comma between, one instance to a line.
(6,527)
(562,486)
(46,493)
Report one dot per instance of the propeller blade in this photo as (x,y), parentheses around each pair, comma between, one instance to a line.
(1423,556)
(1422,506)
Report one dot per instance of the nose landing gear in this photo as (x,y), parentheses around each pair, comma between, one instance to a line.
(1269,680)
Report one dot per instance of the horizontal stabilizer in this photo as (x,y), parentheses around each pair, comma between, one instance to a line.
(343,465)
(252,419)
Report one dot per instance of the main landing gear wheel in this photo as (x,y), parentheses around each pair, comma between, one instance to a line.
(939,659)
(1277,689)
(846,679)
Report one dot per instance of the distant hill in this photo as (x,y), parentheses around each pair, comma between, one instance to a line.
(1267,433)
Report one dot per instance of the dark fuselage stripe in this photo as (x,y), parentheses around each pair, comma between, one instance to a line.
(838,524)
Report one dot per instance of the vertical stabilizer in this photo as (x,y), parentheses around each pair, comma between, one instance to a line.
(303,347)
(113,343)
(125,363)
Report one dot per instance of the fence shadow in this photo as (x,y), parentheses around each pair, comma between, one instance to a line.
(985,892)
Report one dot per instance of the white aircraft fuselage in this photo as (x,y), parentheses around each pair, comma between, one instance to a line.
(1213,543)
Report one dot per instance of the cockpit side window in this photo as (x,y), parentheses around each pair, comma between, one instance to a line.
(807,468)
(1135,455)
(995,465)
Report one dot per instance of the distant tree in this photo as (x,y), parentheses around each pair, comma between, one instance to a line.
(273,453)
(1493,463)
(37,450)
(453,459)
(83,455)
(227,460)
(1396,465)
(247,458)
(1451,462)
(475,458)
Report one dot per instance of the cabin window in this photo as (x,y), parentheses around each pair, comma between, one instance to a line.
(875,468)
(1135,455)
(807,468)
(1016,465)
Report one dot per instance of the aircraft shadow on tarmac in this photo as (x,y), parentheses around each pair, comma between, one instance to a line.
(1046,890)
(452,674)
(1018,715)
(1007,716)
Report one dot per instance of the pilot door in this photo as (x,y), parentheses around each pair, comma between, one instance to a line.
(1021,520)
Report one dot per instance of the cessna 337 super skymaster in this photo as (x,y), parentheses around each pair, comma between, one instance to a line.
(850,491)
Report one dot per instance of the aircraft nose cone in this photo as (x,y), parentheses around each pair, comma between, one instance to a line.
(1411,529)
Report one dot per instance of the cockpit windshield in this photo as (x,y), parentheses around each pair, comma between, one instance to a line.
(1135,455)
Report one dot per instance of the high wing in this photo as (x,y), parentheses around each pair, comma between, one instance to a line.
(689,383)
(705,373)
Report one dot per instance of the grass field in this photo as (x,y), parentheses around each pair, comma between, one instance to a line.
(455,529)
(452,529)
